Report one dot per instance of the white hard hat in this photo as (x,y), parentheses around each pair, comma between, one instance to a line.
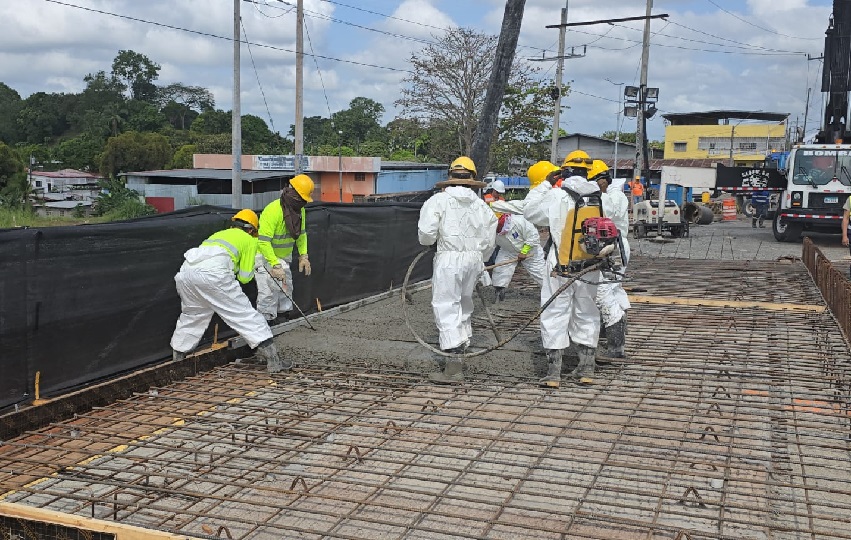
(498,186)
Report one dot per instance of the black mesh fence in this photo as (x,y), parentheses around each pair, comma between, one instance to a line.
(82,303)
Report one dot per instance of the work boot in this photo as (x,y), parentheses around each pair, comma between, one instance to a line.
(500,294)
(753,223)
(761,224)
(585,368)
(274,363)
(615,343)
(177,356)
(453,371)
(553,377)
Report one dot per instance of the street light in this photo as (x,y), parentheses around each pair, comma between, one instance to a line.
(617,126)
(340,160)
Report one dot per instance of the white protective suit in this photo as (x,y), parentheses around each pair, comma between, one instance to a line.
(270,299)
(464,228)
(515,206)
(612,300)
(518,232)
(206,285)
(573,316)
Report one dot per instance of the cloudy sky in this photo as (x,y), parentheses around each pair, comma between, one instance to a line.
(709,54)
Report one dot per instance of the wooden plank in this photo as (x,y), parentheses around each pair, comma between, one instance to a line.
(768,306)
(120,530)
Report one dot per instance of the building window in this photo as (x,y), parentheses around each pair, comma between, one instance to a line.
(360,177)
(680,147)
(38,183)
(747,146)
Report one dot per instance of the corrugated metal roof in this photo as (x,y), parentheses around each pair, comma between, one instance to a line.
(211,174)
(674,118)
(395,165)
(66,173)
(656,164)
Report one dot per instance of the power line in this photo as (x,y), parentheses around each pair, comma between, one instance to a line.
(316,63)
(216,36)
(769,30)
(257,74)
(743,46)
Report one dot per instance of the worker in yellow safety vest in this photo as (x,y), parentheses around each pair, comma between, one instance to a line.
(206,285)
(282,227)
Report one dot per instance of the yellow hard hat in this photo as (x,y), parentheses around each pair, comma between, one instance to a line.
(578,158)
(538,172)
(303,185)
(598,167)
(248,216)
(465,163)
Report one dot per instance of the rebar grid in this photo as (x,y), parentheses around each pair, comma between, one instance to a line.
(723,424)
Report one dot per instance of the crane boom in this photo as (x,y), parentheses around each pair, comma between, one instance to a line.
(836,74)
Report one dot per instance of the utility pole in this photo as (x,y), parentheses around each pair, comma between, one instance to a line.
(299,85)
(806,112)
(641,135)
(505,49)
(236,117)
(559,81)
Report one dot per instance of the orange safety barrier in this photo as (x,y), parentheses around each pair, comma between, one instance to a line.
(729,210)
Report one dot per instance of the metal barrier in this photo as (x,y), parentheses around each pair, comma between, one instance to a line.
(834,286)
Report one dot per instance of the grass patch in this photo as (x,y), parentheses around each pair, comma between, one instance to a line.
(24,218)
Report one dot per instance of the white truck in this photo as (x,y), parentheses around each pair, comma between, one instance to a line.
(818,180)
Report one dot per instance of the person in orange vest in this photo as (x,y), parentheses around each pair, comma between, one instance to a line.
(637,190)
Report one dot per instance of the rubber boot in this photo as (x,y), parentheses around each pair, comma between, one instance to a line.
(453,372)
(614,344)
(177,356)
(585,369)
(753,223)
(500,294)
(274,363)
(553,377)
(761,224)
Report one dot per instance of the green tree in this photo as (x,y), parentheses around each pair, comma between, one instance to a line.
(331,150)
(255,134)
(10,105)
(316,131)
(138,74)
(134,151)
(214,144)
(183,157)
(625,136)
(180,102)
(11,165)
(359,122)
(80,152)
(212,122)
(116,201)
(44,117)
(372,148)
(142,116)
(524,120)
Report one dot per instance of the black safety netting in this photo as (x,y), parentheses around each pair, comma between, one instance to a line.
(83,303)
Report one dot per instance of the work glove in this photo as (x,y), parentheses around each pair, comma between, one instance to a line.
(304,264)
(277,272)
(521,256)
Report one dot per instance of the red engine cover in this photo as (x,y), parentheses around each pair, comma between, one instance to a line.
(600,227)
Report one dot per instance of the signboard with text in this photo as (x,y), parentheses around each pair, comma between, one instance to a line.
(279,163)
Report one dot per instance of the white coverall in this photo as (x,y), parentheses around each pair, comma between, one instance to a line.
(206,285)
(464,228)
(270,299)
(611,298)
(517,233)
(573,316)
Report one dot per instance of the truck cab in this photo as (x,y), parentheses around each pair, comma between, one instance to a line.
(818,184)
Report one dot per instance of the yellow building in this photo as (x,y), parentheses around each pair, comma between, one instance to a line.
(741,137)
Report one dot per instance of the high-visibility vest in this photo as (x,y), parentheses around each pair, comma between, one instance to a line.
(241,246)
(274,240)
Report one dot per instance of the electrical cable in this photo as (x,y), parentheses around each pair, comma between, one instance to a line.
(257,74)
(316,63)
(769,30)
(499,344)
(216,36)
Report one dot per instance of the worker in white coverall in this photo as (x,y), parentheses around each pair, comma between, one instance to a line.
(612,300)
(517,239)
(464,229)
(537,173)
(275,246)
(208,283)
(573,316)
